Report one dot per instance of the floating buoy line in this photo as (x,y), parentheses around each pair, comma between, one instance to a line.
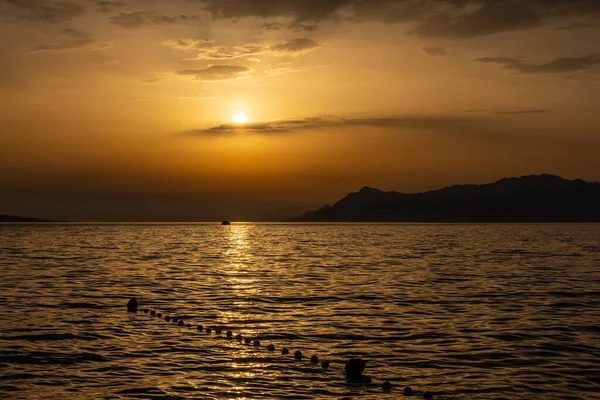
(353,368)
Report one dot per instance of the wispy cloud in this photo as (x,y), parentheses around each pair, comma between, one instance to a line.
(559,65)
(216,73)
(298,124)
(136,19)
(208,50)
(434,51)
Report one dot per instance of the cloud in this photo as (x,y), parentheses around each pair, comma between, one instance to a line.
(136,19)
(278,71)
(523,112)
(435,51)
(207,50)
(457,19)
(44,11)
(294,46)
(287,125)
(557,66)
(109,6)
(77,40)
(217,72)
(296,26)
(491,17)
(186,44)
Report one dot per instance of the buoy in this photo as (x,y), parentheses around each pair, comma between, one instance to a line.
(218,331)
(247,340)
(200,327)
(180,322)
(387,386)
(314,359)
(208,330)
(132,305)
(159,315)
(285,351)
(298,355)
(167,318)
(229,334)
(257,343)
(174,320)
(271,347)
(152,312)
(238,337)
(407,391)
(325,364)
(428,396)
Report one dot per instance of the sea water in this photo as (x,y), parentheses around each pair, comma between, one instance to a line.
(463,311)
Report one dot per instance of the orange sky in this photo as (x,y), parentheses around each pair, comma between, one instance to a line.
(114,110)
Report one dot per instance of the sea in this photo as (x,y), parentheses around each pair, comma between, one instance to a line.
(463,311)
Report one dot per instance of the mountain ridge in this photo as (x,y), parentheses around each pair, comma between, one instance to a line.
(530,198)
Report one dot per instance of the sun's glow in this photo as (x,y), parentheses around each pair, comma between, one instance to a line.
(240,118)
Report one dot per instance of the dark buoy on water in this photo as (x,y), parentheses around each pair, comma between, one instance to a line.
(180,322)
(200,327)
(271,347)
(159,315)
(152,312)
(257,343)
(285,351)
(387,386)
(354,368)
(218,331)
(229,334)
(225,222)
(298,355)
(167,318)
(175,320)
(238,337)
(325,364)
(314,359)
(208,330)
(247,340)
(132,305)
(408,391)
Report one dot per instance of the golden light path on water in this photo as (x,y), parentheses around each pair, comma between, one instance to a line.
(465,311)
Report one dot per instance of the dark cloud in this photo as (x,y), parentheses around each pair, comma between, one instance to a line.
(491,17)
(296,26)
(76,40)
(456,19)
(557,66)
(217,72)
(44,11)
(109,6)
(435,51)
(288,125)
(299,10)
(136,19)
(295,46)
(523,112)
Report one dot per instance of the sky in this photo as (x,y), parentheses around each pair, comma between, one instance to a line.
(124,110)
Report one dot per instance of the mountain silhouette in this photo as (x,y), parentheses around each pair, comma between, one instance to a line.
(15,218)
(533,198)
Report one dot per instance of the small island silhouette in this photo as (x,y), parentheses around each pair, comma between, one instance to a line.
(16,218)
(533,198)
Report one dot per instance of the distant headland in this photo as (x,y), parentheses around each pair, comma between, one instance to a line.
(15,218)
(533,198)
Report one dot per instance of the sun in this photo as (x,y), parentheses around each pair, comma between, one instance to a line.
(240,118)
